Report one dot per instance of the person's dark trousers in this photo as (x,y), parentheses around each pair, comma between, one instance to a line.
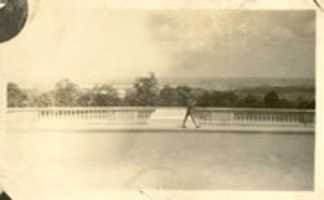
(4,196)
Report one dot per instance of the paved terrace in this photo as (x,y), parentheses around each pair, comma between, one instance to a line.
(62,159)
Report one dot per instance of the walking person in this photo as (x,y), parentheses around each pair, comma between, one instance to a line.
(190,111)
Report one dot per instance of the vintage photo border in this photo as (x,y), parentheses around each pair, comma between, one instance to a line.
(316,5)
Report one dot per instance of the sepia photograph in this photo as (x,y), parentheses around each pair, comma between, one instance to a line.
(96,99)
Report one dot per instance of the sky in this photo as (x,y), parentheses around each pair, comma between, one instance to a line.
(89,43)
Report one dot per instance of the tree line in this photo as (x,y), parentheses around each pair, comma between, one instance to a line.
(146,91)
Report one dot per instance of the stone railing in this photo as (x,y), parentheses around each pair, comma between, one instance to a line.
(124,114)
(206,116)
(251,116)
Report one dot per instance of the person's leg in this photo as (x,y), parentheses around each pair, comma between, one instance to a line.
(4,196)
(194,120)
(185,120)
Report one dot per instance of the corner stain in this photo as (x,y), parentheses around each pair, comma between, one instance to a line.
(13,16)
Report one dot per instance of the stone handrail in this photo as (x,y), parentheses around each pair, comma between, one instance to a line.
(256,116)
(134,114)
(216,116)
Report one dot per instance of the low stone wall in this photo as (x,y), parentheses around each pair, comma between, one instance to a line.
(111,114)
(257,117)
(206,116)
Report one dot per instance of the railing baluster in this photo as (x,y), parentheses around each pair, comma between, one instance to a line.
(229,116)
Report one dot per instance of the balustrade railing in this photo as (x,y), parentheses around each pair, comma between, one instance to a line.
(251,116)
(133,114)
(216,116)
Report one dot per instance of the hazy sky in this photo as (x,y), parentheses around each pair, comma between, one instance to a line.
(90,44)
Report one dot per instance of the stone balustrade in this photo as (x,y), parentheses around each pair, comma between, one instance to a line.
(252,116)
(206,116)
(133,114)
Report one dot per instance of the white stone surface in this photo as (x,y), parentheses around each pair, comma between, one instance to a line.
(66,165)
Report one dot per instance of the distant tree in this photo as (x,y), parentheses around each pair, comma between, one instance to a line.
(130,98)
(302,103)
(16,97)
(184,93)
(284,103)
(205,99)
(271,99)
(218,99)
(169,96)
(215,99)
(250,101)
(85,98)
(223,99)
(44,100)
(311,104)
(229,99)
(197,93)
(145,91)
(105,95)
(66,93)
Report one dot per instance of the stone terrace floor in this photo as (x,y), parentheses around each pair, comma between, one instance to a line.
(79,163)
